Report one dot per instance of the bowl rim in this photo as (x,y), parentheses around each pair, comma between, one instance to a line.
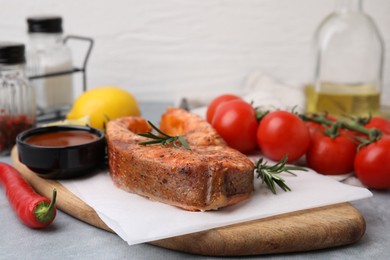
(20,138)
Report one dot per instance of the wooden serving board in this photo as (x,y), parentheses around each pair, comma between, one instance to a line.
(305,230)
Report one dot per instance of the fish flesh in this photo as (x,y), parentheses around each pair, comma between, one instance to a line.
(208,176)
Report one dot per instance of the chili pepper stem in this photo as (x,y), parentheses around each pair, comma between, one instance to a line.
(44,212)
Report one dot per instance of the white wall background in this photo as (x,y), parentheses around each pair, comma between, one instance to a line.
(159,49)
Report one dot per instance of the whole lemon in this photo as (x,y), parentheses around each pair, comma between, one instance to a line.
(102,104)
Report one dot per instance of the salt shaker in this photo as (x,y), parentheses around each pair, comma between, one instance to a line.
(17,103)
(47,54)
(349,54)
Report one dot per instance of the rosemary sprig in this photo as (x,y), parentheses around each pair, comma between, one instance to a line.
(268,173)
(163,138)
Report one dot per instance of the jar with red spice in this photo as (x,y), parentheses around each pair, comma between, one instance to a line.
(17,100)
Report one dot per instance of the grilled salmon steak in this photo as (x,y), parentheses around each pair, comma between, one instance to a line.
(208,176)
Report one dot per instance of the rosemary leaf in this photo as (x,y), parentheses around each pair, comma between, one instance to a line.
(150,142)
(158,130)
(183,142)
(163,138)
(269,176)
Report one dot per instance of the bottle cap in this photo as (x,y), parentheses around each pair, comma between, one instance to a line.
(44,24)
(12,53)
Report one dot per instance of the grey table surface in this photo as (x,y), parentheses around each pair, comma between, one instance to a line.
(69,238)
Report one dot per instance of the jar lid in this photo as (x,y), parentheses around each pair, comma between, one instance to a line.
(12,53)
(44,24)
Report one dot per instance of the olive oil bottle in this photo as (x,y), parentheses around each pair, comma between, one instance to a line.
(337,99)
(348,63)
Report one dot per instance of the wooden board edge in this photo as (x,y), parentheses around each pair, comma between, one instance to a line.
(276,235)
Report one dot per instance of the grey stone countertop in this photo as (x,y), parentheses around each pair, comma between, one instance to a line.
(69,238)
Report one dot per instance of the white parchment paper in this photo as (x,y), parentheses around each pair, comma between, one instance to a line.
(137,219)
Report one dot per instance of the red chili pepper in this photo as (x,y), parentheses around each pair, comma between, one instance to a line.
(32,209)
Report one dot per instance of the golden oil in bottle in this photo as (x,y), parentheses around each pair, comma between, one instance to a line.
(348,55)
(343,99)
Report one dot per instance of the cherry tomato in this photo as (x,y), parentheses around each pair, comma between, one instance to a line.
(236,122)
(314,127)
(379,123)
(372,165)
(317,127)
(281,133)
(216,102)
(331,156)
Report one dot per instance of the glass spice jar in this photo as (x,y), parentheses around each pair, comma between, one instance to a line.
(47,54)
(17,102)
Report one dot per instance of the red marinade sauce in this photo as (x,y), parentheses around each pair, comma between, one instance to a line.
(61,138)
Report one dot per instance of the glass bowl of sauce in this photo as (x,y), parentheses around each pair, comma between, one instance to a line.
(61,152)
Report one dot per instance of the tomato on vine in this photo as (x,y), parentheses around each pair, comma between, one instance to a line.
(315,127)
(331,155)
(379,123)
(236,122)
(283,133)
(372,164)
(212,107)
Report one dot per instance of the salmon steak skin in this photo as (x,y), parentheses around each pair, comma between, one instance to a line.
(208,176)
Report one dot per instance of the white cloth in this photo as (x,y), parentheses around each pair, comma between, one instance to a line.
(260,89)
